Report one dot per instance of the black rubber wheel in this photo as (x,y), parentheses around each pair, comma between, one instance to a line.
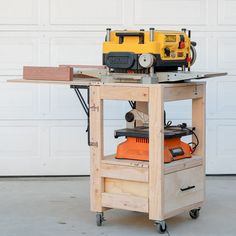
(194,213)
(99,219)
(161,229)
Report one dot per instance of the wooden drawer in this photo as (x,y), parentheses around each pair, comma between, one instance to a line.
(183,188)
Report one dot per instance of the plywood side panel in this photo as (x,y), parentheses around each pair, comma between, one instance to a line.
(124,172)
(124,93)
(120,201)
(130,188)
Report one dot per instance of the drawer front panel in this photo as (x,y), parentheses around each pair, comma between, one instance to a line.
(184,188)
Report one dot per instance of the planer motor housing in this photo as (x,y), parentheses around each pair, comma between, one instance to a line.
(138,51)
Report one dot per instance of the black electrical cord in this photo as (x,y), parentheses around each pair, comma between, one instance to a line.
(194,145)
(168,124)
(183,126)
(132,104)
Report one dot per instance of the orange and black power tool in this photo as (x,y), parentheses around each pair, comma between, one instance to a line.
(136,145)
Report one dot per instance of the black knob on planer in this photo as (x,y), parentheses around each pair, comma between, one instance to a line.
(129,116)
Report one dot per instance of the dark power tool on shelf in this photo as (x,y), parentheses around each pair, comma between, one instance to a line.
(136,145)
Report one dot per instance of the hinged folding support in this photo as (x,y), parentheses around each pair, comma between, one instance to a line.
(85,105)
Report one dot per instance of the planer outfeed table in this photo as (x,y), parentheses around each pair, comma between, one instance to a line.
(161,190)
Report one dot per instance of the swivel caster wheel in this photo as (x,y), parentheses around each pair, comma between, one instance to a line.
(100,218)
(194,213)
(161,226)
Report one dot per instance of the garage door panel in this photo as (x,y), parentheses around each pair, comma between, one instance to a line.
(222,46)
(64,142)
(64,104)
(27,15)
(19,101)
(17,50)
(20,142)
(221,147)
(77,49)
(226,12)
(167,12)
(79,12)
(226,56)
(220,99)
(202,40)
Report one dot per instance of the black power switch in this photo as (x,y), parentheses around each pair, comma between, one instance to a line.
(177,151)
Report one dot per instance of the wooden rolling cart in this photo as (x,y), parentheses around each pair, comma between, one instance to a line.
(161,190)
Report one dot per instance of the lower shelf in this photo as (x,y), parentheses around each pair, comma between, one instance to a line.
(109,163)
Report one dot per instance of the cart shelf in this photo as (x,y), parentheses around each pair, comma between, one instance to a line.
(169,167)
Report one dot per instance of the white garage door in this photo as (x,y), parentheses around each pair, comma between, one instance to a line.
(42,128)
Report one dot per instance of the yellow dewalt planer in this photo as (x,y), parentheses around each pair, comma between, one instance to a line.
(142,51)
(148,57)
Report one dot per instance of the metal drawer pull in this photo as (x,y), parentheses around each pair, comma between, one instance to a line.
(185,189)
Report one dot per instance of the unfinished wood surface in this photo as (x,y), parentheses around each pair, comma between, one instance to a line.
(130,188)
(124,93)
(198,121)
(168,167)
(156,153)
(183,188)
(183,164)
(121,201)
(110,159)
(142,106)
(183,209)
(47,73)
(124,172)
(184,92)
(96,149)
